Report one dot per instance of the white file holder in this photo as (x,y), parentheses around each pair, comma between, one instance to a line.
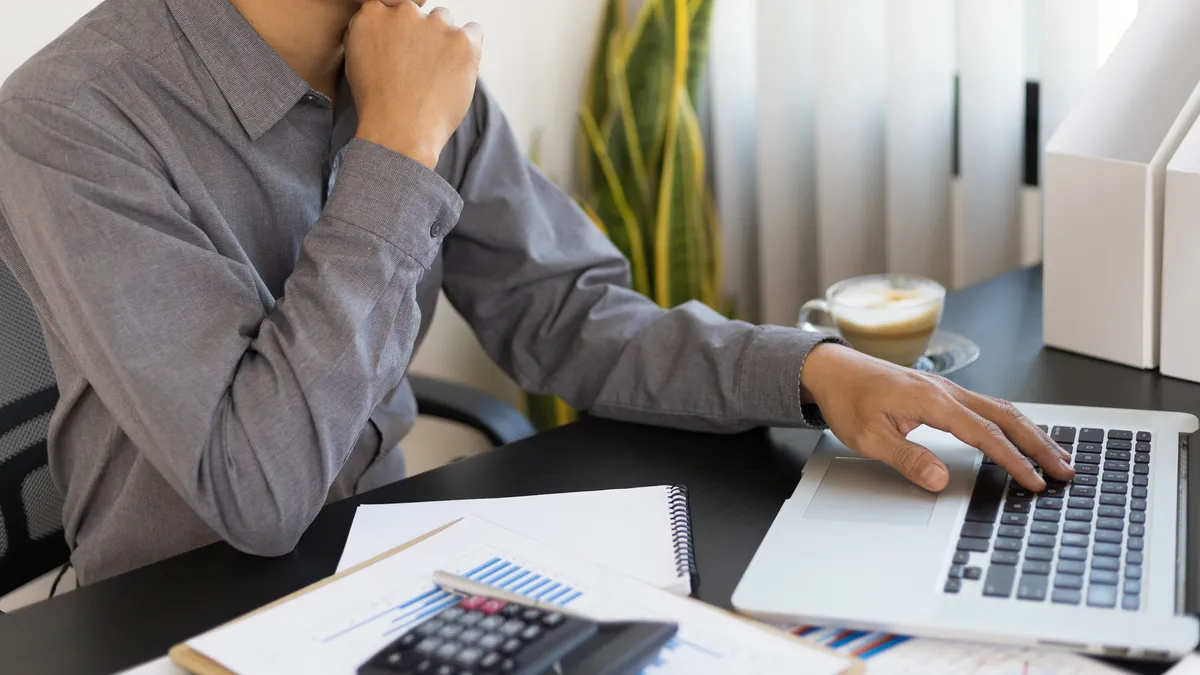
(1105,177)
(1180,328)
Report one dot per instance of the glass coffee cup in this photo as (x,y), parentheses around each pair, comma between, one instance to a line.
(889,316)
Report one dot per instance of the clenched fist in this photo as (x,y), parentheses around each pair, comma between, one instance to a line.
(413,76)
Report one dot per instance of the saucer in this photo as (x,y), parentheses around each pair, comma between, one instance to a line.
(947,353)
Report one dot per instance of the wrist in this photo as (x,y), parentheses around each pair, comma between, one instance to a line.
(820,367)
(419,152)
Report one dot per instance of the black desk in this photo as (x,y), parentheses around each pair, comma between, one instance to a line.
(737,485)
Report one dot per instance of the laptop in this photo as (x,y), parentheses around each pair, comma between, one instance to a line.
(1099,565)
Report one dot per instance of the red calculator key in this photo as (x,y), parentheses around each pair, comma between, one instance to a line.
(491,606)
(473,602)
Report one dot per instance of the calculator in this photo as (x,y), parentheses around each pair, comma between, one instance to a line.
(478,635)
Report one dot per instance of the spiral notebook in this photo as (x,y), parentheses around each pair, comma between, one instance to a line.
(643,532)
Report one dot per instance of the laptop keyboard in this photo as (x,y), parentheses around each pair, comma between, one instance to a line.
(1074,543)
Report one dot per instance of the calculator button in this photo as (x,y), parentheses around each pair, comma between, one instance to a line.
(470,636)
(531,614)
(444,669)
(512,611)
(395,658)
(451,613)
(408,640)
(430,627)
(531,633)
(471,618)
(489,661)
(491,641)
(450,631)
(512,646)
(469,657)
(508,666)
(473,602)
(447,651)
(429,645)
(425,666)
(492,622)
(492,606)
(512,627)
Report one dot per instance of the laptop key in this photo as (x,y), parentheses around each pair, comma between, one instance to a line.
(1141,481)
(1091,447)
(1122,455)
(999,581)
(1087,458)
(1143,436)
(961,557)
(1072,581)
(1079,514)
(1036,553)
(1011,506)
(1112,500)
(1035,567)
(985,497)
(973,573)
(1133,557)
(1113,564)
(1136,530)
(1063,434)
(1066,596)
(1137,504)
(1140,492)
(1032,587)
(1111,511)
(1089,435)
(1054,489)
(1083,479)
(1119,434)
(1017,531)
(1142,469)
(1108,577)
(1081,503)
(1109,536)
(1136,544)
(973,544)
(953,585)
(1115,477)
(1015,491)
(1016,518)
(1005,557)
(1049,503)
(1137,517)
(1071,539)
(1071,567)
(1088,469)
(1142,446)
(1141,458)
(1044,428)
(1115,465)
(1102,596)
(956,572)
(1040,527)
(981,530)
(1133,571)
(1072,553)
(1007,544)
(1077,527)
(1042,540)
(1129,602)
(1119,445)
(1044,515)
(1109,550)
(1110,524)
(1132,586)
(1083,491)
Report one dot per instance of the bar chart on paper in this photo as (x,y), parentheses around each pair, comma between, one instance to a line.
(413,608)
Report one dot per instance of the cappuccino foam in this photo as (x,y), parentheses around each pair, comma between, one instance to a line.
(891,323)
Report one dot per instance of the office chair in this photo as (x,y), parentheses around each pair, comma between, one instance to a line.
(31,532)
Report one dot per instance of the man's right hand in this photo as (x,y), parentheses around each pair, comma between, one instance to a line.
(413,76)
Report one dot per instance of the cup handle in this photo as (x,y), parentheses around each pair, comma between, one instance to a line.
(803,323)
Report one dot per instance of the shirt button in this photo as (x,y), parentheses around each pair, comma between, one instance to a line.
(436,230)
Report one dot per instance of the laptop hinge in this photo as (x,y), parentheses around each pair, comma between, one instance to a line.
(1187,556)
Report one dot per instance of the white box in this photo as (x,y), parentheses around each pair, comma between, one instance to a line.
(1105,176)
(1181,262)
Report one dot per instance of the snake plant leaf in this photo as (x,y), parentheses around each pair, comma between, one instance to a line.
(596,95)
(700,19)
(649,72)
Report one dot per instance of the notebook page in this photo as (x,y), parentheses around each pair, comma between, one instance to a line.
(336,627)
(627,530)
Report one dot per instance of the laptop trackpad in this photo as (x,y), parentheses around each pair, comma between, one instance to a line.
(863,490)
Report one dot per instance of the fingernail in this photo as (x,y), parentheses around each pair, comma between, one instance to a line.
(1063,464)
(933,476)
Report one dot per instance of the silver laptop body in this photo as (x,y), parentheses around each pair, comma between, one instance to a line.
(857,546)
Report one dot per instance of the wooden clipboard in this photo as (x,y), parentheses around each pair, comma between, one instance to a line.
(194,662)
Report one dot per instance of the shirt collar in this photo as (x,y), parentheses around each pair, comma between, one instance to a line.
(258,84)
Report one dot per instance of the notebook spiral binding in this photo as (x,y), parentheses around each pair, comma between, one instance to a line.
(681,533)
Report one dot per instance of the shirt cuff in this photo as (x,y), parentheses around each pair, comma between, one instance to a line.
(771,376)
(395,198)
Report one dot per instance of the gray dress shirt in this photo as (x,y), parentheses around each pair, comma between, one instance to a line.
(231,287)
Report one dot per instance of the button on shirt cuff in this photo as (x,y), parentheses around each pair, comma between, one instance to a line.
(395,198)
(771,376)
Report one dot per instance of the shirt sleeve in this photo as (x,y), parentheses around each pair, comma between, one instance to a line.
(547,295)
(249,408)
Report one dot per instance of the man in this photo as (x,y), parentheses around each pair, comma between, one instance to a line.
(234,217)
